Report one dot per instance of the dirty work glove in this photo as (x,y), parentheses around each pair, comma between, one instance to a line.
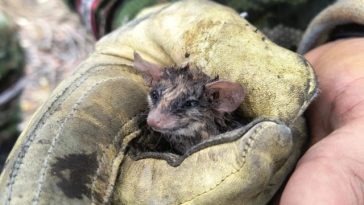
(75,150)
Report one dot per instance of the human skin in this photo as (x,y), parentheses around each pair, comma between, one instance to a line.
(332,169)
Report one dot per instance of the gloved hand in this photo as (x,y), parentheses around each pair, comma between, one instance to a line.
(75,150)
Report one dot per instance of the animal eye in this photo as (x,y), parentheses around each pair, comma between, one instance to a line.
(154,95)
(191,103)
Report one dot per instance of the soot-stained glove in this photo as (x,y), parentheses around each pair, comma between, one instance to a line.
(76,148)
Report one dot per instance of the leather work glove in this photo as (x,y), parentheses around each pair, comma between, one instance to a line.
(75,149)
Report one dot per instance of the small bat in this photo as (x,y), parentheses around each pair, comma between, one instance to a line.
(186,105)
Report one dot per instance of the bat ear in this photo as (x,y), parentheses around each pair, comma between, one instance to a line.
(151,72)
(226,96)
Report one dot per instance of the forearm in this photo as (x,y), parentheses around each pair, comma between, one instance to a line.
(339,66)
(332,170)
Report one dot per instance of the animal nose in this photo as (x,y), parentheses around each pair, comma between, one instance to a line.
(153,122)
(154,119)
(159,120)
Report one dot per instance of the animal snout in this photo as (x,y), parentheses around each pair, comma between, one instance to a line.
(159,120)
(154,121)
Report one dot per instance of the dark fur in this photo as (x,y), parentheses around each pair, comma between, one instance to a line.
(178,92)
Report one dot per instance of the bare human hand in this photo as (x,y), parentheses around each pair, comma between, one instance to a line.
(332,169)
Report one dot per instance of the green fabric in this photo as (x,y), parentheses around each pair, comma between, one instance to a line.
(11,55)
(11,70)
(269,13)
(128,9)
(71,4)
(283,21)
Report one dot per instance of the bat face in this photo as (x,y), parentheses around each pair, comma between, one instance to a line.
(186,103)
(179,104)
